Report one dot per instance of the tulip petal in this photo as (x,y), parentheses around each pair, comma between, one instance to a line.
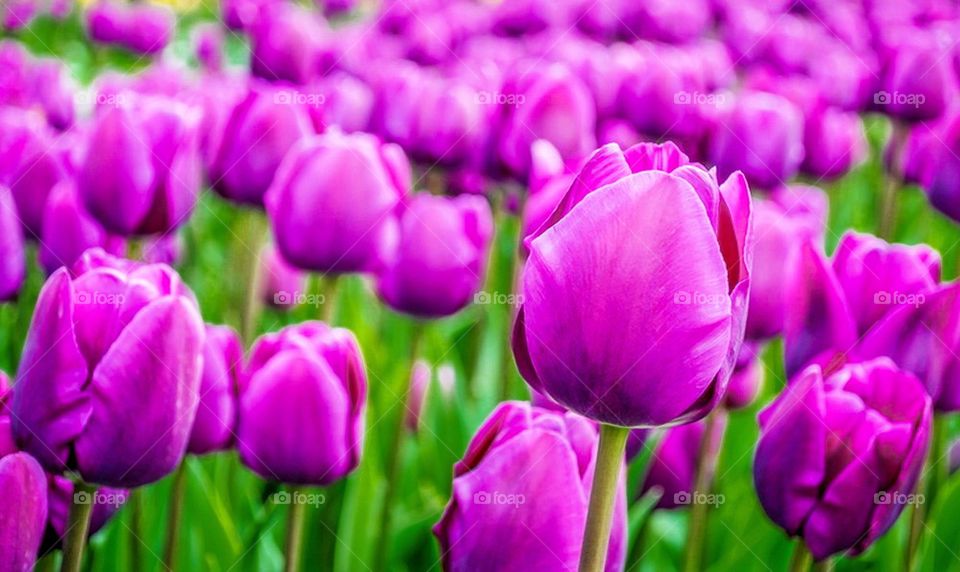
(23,488)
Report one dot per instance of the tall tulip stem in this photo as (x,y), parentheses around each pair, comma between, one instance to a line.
(697,531)
(78,526)
(802,559)
(888,207)
(606,479)
(250,240)
(331,283)
(932,477)
(295,522)
(175,516)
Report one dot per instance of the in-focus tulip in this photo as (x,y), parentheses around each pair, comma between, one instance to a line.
(109,380)
(23,487)
(438,265)
(332,203)
(259,132)
(13,260)
(141,171)
(761,135)
(213,428)
(302,408)
(673,465)
(838,458)
(71,230)
(608,257)
(520,495)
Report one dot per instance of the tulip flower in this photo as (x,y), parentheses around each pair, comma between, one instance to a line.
(762,135)
(71,230)
(243,14)
(109,378)
(519,498)
(677,356)
(332,203)
(302,407)
(916,78)
(747,377)
(141,171)
(23,487)
(932,161)
(839,457)
(673,466)
(259,132)
(16,14)
(782,223)
(141,28)
(280,283)
(439,262)
(284,43)
(7,444)
(13,262)
(208,40)
(216,415)
(348,104)
(833,142)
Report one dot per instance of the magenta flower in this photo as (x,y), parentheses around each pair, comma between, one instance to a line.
(673,465)
(13,260)
(23,487)
(71,230)
(213,428)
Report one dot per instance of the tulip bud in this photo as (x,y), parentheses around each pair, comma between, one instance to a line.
(141,172)
(142,28)
(839,458)
(284,43)
(935,164)
(71,230)
(673,465)
(302,409)
(109,379)
(520,494)
(23,489)
(574,290)
(833,142)
(916,78)
(13,261)
(332,203)
(220,383)
(260,131)
(439,263)
(16,14)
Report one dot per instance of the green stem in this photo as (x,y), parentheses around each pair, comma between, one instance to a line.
(513,262)
(699,513)
(393,456)
(251,237)
(888,206)
(175,516)
(606,482)
(825,565)
(802,559)
(135,501)
(331,283)
(294,540)
(78,527)
(932,477)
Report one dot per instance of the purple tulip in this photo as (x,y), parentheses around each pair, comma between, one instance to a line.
(260,131)
(520,495)
(747,377)
(141,172)
(142,28)
(782,223)
(61,497)
(667,21)
(917,81)
(208,45)
(23,487)
(439,262)
(284,43)
(838,458)
(280,283)
(686,314)
(7,444)
(834,141)
(13,261)
(762,135)
(531,106)
(243,14)
(348,104)
(71,230)
(16,14)
(110,374)
(931,160)
(673,465)
(302,409)
(219,385)
(332,203)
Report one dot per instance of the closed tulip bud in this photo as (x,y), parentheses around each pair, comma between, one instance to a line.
(61,497)
(71,230)
(782,223)
(332,203)
(280,283)
(936,165)
(666,21)
(348,104)
(284,43)
(834,141)
(761,135)
(439,262)
(838,458)
(23,487)
(673,363)
(220,383)
(520,494)
(259,132)
(142,28)
(110,374)
(141,172)
(529,107)
(302,408)
(13,260)
(673,466)
(916,79)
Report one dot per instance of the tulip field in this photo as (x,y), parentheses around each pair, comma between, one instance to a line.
(479,285)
